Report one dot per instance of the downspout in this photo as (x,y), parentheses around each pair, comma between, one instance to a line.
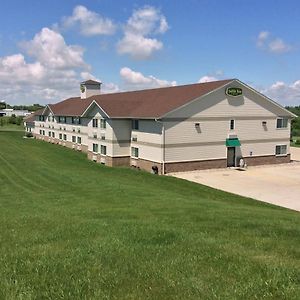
(163,145)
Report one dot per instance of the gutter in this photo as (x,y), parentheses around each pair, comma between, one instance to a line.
(163,155)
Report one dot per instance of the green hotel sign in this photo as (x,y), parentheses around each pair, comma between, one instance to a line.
(233,91)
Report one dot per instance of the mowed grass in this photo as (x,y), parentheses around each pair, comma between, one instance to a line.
(73,229)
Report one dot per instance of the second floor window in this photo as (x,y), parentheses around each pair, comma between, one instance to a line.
(232,124)
(282,123)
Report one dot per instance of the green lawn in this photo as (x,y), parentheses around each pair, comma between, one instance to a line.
(73,229)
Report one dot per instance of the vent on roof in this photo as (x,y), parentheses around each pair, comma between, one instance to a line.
(89,88)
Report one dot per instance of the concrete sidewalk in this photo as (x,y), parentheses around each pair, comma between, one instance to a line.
(276,184)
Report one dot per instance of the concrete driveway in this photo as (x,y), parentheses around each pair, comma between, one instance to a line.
(276,184)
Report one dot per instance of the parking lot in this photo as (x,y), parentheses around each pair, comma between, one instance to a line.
(276,184)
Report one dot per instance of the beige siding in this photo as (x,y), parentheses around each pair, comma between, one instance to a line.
(218,104)
(121,137)
(149,140)
(184,141)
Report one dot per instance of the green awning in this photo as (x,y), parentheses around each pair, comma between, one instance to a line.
(233,142)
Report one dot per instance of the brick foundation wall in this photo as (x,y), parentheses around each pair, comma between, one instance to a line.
(118,161)
(147,165)
(195,165)
(267,160)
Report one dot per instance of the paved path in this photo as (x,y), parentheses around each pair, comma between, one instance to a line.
(276,184)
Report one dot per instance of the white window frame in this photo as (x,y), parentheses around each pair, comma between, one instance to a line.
(102,123)
(282,120)
(135,152)
(103,149)
(79,140)
(95,123)
(233,124)
(95,148)
(281,154)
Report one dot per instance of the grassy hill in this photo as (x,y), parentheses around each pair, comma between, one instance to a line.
(73,229)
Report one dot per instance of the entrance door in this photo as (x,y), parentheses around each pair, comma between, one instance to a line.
(230,156)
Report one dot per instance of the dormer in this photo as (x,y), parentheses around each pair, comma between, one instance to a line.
(89,88)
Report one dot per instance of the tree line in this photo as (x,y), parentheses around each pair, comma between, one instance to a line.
(296,121)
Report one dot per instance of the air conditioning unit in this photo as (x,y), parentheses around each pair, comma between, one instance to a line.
(94,158)
(102,160)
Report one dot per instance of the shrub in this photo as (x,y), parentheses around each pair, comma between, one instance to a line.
(29,134)
(297,142)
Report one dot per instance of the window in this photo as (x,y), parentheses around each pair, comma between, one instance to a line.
(74,139)
(43,132)
(102,137)
(95,148)
(76,120)
(135,124)
(281,150)
(60,136)
(103,149)
(62,120)
(40,132)
(49,133)
(134,152)
(49,118)
(282,123)
(134,138)
(53,134)
(95,123)
(73,129)
(42,118)
(53,118)
(232,124)
(78,140)
(94,135)
(102,123)
(65,137)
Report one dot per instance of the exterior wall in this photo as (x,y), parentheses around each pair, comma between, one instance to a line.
(149,140)
(182,145)
(185,141)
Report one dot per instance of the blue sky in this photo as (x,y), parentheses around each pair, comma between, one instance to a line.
(48,47)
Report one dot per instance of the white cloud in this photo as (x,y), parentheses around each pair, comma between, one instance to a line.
(273,45)
(48,71)
(207,78)
(50,49)
(284,93)
(90,23)
(138,41)
(136,80)
(279,46)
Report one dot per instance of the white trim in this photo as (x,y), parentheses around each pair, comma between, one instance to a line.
(93,102)
(194,100)
(267,98)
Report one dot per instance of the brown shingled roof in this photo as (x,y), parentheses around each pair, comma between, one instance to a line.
(152,103)
(31,118)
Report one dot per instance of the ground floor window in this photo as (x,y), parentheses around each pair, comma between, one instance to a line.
(65,137)
(49,133)
(103,149)
(95,148)
(78,140)
(281,149)
(134,152)
(60,136)
(74,139)
(53,134)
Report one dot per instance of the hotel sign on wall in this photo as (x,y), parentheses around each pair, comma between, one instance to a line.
(233,91)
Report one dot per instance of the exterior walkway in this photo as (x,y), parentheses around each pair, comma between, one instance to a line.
(276,184)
